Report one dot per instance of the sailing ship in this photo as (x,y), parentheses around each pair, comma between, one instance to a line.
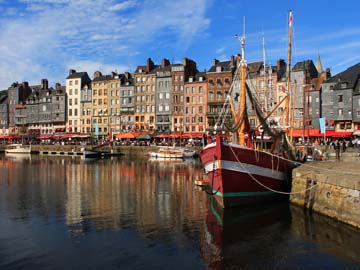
(238,172)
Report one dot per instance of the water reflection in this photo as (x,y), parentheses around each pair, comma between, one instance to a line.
(122,213)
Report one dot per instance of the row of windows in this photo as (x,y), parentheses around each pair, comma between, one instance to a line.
(145,79)
(194,99)
(76,82)
(219,95)
(100,101)
(148,109)
(142,119)
(193,90)
(145,98)
(192,110)
(144,88)
(76,91)
(220,82)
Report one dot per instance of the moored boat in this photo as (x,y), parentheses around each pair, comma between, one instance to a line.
(238,172)
(240,175)
(18,149)
(167,153)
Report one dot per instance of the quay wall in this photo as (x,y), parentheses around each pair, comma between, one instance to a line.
(332,188)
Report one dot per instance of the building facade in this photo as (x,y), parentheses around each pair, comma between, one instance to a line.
(75,81)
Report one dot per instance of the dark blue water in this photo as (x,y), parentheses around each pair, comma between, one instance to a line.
(66,213)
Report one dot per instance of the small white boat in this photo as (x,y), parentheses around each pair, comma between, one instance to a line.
(188,153)
(167,153)
(18,149)
(90,153)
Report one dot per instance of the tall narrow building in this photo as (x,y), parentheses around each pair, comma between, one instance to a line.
(74,83)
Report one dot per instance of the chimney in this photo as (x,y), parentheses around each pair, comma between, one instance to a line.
(149,65)
(165,62)
(113,74)
(232,61)
(280,64)
(215,62)
(44,84)
(57,86)
(71,71)
(25,85)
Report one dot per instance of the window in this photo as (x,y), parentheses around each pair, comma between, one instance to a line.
(341,111)
(167,108)
(160,108)
(211,96)
(340,98)
(167,95)
(200,89)
(218,95)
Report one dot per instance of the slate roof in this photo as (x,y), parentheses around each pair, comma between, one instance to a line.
(77,75)
(308,66)
(103,78)
(349,76)
(225,67)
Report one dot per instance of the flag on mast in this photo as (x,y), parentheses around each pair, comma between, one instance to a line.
(290,19)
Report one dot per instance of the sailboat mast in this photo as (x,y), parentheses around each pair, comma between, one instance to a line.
(287,104)
(265,94)
(242,104)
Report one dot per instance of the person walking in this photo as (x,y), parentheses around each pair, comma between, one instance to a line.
(337,147)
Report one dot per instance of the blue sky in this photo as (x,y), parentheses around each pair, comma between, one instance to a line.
(45,38)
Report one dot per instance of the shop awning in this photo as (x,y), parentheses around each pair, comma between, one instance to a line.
(314,132)
(128,135)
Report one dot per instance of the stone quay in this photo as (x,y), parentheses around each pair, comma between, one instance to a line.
(331,188)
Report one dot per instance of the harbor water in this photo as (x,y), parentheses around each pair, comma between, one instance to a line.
(121,213)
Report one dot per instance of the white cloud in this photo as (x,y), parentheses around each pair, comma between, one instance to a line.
(44,42)
(124,5)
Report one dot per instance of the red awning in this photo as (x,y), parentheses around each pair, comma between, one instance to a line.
(10,137)
(128,135)
(192,135)
(313,132)
(338,134)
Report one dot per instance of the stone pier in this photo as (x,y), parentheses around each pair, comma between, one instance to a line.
(332,189)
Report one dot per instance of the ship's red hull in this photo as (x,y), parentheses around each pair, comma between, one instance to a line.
(240,175)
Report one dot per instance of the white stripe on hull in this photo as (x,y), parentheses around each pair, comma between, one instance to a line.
(245,168)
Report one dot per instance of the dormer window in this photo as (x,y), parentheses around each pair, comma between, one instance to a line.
(343,85)
(190,79)
(218,69)
(200,79)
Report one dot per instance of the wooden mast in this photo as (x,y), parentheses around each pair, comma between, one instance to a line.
(287,104)
(242,104)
